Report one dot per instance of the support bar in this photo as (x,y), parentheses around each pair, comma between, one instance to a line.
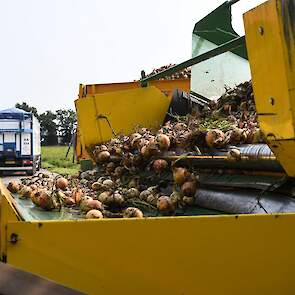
(230,45)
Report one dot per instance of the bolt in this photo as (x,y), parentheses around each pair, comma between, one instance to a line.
(272,101)
(260,30)
(13,238)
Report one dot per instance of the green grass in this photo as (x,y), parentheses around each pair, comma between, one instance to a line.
(54,159)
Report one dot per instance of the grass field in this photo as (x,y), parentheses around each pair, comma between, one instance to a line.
(54,159)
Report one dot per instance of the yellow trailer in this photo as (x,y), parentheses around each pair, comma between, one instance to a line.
(211,254)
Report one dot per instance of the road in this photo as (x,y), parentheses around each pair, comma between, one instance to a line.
(6,178)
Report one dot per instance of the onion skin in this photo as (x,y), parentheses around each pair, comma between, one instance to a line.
(103,156)
(45,201)
(118,199)
(90,204)
(189,201)
(104,196)
(180,175)
(35,197)
(234,154)
(152,200)
(77,195)
(132,193)
(118,171)
(25,192)
(94,214)
(33,187)
(108,183)
(165,205)
(214,137)
(13,186)
(145,152)
(163,141)
(110,167)
(69,201)
(132,212)
(95,186)
(189,188)
(62,183)
(144,195)
(176,198)
(160,165)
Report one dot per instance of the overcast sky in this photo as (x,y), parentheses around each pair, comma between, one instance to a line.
(48,47)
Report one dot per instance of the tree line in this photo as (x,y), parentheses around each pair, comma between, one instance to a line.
(57,127)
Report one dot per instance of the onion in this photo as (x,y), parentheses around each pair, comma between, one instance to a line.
(214,137)
(132,183)
(189,188)
(132,212)
(103,156)
(151,199)
(137,142)
(35,197)
(234,154)
(103,197)
(103,148)
(101,179)
(176,198)
(118,199)
(179,126)
(163,141)
(45,201)
(13,186)
(108,183)
(110,167)
(160,165)
(143,131)
(132,193)
(144,195)
(25,192)
(94,214)
(238,135)
(134,135)
(62,183)
(145,152)
(89,204)
(180,175)
(33,187)
(118,171)
(77,195)
(69,201)
(188,200)
(96,186)
(165,205)
(118,151)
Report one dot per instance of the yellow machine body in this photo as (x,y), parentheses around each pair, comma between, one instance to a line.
(243,254)
(273,74)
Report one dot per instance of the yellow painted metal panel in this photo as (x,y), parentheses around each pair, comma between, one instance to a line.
(246,254)
(124,109)
(166,86)
(270,39)
(7,213)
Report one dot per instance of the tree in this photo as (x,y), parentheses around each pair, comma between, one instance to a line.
(66,121)
(48,128)
(24,106)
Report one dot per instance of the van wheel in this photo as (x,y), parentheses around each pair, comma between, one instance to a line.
(33,171)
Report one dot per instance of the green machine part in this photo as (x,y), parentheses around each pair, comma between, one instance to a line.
(219,56)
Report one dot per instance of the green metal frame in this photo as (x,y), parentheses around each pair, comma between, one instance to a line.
(228,46)
(217,28)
